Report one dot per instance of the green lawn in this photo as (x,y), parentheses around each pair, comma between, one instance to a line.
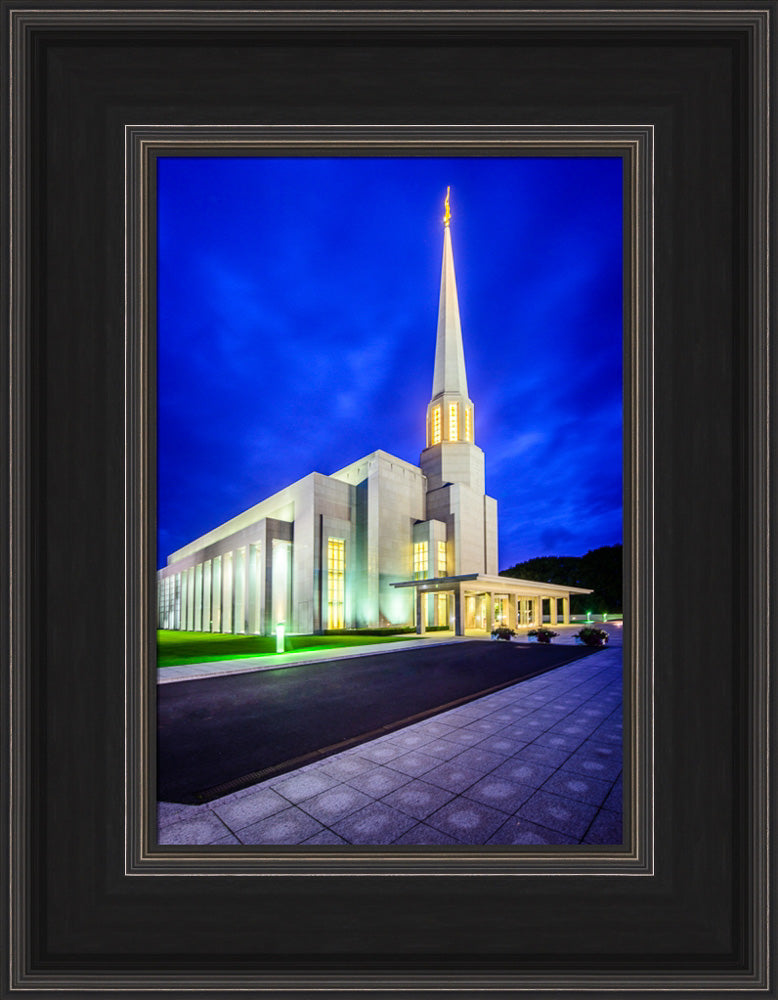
(177,648)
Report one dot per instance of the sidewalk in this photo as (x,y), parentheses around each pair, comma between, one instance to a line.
(536,763)
(224,668)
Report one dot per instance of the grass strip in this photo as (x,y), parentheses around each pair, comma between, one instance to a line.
(175,648)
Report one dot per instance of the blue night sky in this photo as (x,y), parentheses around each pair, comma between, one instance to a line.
(297,312)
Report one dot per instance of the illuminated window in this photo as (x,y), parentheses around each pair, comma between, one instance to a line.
(453,429)
(442,616)
(336,573)
(468,428)
(420,560)
(436,425)
(441,558)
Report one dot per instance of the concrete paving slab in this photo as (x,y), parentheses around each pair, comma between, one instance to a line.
(482,761)
(606,828)
(500,793)
(418,798)
(601,761)
(415,763)
(240,812)
(325,839)
(377,823)
(423,835)
(614,799)
(334,804)
(292,826)
(346,765)
(304,785)
(536,753)
(525,772)
(452,776)
(575,786)
(379,782)
(443,749)
(201,829)
(521,833)
(564,815)
(469,821)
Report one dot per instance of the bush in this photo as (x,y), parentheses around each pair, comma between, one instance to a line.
(502,632)
(542,634)
(591,636)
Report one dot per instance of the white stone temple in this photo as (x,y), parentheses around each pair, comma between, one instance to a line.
(378,543)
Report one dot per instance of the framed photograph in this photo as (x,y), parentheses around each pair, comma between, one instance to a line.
(178,369)
(384,574)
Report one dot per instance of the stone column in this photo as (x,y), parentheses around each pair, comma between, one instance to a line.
(515,614)
(459,617)
(228,569)
(190,599)
(421,623)
(207,596)
(554,609)
(566,610)
(539,611)
(198,597)
(216,593)
(182,601)
(489,611)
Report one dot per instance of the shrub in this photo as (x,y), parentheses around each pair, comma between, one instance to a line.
(591,636)
(542,634)
(502,632)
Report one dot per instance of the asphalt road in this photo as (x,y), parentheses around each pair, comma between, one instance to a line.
(217,735)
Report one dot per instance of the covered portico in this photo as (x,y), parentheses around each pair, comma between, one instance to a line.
(476,602)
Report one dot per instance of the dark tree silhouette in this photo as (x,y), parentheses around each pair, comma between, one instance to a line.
(600,569)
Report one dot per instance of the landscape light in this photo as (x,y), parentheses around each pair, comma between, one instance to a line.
(280,637)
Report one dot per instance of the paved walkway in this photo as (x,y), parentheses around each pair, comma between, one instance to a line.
(292,658)
(224,668)
(537,763)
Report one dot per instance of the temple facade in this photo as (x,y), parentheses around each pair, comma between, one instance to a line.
(378,543)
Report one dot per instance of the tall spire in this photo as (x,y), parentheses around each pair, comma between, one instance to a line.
(451,455)
(449,354)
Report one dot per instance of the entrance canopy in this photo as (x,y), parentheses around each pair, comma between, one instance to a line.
(477,601)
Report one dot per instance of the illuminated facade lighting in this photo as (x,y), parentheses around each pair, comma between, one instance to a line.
(420,560)
(436,425)
(441,558)
(453,422)
(336,581)
(468,425)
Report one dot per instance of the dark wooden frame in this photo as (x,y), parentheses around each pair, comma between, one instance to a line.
(83,915)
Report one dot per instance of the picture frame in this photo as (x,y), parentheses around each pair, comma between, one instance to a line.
(144,146)
(84,915)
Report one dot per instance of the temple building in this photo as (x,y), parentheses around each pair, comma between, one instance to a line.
(378,543)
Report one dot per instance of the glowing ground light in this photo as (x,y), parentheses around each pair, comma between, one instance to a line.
(588,616)
(280,637)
